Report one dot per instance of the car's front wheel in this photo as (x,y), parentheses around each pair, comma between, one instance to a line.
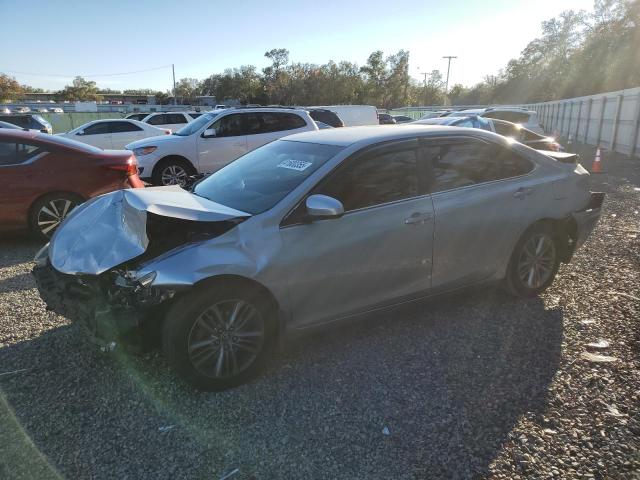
(534,261)
(172,171)
(220,335)
(49,211)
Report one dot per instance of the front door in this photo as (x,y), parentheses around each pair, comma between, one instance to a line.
(378,253)
(228,143)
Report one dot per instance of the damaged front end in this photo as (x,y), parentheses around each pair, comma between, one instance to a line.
(89,271)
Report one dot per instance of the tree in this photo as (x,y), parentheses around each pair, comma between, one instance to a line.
(10,89)
(276,79)
(187,88)
(79,90)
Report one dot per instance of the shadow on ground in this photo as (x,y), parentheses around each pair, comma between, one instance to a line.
(448,379)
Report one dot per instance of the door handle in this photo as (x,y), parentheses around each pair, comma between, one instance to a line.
(418,217)
(522,192)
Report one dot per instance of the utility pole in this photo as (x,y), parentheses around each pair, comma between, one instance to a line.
(425,87)
(173,69)
(446,85)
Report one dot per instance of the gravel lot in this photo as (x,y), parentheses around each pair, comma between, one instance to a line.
(476,385)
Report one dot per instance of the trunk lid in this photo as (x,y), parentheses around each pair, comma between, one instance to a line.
(112,229)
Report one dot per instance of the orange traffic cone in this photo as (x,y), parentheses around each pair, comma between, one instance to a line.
(596,166)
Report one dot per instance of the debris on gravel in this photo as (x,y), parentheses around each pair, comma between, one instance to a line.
(473,385)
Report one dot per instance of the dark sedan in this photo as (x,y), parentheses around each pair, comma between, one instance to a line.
(44,177)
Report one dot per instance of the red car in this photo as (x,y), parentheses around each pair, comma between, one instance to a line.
(43,177)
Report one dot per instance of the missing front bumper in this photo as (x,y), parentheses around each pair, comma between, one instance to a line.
(86,303)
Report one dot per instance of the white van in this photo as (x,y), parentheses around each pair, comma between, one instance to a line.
(354,115)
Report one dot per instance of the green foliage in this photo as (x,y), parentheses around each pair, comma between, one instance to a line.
(79,90)
(578,54)
(10,89)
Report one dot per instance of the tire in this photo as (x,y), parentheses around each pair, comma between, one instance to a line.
(200,344)
(534,261)
(49,211)
(172,171)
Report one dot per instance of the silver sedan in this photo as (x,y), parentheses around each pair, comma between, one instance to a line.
(310,229)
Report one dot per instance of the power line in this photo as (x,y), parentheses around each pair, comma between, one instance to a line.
(88,76)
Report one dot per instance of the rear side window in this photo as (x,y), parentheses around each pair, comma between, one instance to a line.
(280,121)
(374,179)
(12,153)
(194,115)
(515,117)
(175,118)
(463,163)
(121,127)
(97,129)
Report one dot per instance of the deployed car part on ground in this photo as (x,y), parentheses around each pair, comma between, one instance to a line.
(307,230)
(46,176)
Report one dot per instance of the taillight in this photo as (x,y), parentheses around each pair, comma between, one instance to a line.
(167,132)
(129,168)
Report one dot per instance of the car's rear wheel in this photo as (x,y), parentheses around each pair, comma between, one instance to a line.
(49,211)
(219,336)
(172,171)
(534,261)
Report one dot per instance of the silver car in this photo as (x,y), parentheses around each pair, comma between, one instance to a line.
(310,229)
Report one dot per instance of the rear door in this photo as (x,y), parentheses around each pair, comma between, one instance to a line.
(484,197)
(124,132)
(228,143)
(264,127)
(19,173)
(378,253)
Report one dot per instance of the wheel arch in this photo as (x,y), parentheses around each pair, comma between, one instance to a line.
(55,192)
(248,283)
(173,156)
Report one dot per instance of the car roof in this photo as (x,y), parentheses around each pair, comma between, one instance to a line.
(374,133)
(46,139)
(448,120)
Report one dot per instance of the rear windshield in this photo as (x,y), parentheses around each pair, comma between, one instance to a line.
(258,180)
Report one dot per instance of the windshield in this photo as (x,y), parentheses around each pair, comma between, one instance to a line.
(261,178)
(197,124)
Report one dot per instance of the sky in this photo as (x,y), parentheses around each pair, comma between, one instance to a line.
(45,43)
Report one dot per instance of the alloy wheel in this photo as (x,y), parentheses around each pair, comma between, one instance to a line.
(226,338)
(174,175)
(537,261)
(53,213)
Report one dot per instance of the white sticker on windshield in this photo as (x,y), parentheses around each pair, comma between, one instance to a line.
(298,165)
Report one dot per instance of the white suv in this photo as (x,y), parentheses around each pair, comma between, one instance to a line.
(213,140)
(173,120)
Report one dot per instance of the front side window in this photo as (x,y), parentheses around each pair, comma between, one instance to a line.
(158,120)
(12,153)
(229,126)
(196,125)
(456,164)
(121,127)
(261,178)
(97,129)
(374,179)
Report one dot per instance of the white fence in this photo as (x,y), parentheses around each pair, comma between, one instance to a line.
(608,120)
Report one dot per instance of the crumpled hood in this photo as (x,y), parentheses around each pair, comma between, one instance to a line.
(111,229)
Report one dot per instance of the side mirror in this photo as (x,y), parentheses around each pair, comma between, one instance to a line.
(81,132)
(209,133)
(321,207)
